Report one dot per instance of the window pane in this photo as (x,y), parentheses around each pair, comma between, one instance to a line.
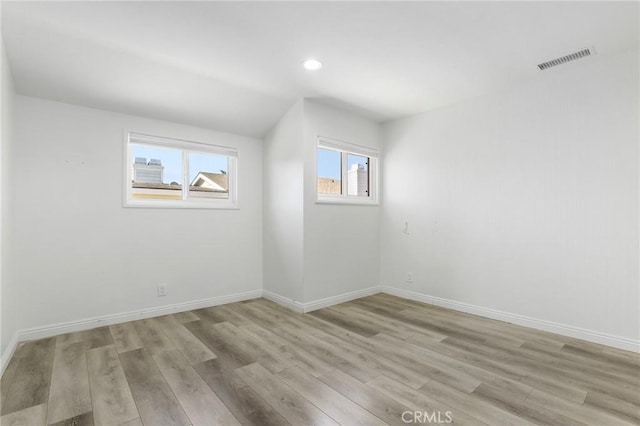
(357,175)
(156,173)
(208,176)
(329,171)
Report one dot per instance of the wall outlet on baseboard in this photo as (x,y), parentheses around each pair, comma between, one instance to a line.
(162,290)
(409,277)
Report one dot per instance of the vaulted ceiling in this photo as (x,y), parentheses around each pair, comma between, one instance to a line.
(236,66)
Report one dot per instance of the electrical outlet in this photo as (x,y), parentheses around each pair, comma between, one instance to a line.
(162,290)
(409,277)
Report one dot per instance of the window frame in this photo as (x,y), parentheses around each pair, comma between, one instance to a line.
(346,148)
(185,147)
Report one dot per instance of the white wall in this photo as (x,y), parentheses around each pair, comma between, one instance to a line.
(80,254)
(7,284)
(314,251)
(283,207)
(341,242)
(524,201)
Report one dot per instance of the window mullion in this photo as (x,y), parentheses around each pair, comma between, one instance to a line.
(368,176)
(185,174)
(231,170)
(343,178)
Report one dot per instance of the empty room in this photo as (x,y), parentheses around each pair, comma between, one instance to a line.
(304,213)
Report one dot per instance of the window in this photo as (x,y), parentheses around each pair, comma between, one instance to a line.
(346,173)
(163,172)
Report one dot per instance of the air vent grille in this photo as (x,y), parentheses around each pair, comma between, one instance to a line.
(564,59)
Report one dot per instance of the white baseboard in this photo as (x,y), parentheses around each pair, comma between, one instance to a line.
(340,298)
(284,301)
(320,303)
(8,353)
(553,327)
(88,323)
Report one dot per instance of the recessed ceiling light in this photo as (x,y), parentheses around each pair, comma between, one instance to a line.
(312,64)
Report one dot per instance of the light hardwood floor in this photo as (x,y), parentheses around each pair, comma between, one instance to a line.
(373,361)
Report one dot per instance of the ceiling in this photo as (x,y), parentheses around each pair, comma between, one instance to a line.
(236,66)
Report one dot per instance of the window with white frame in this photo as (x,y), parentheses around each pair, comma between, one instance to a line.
(165,172)
(346,173)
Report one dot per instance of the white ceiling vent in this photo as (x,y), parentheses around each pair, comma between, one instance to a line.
(564,59)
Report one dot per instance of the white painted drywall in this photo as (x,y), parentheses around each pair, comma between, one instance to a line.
(525,201)
(7,284)
(314,251)
(79,253)
(283,206)
(341,242)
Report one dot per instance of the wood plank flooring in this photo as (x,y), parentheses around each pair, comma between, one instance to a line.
(372,361)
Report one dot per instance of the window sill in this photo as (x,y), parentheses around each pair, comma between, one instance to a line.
(202,206)
(347,201)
